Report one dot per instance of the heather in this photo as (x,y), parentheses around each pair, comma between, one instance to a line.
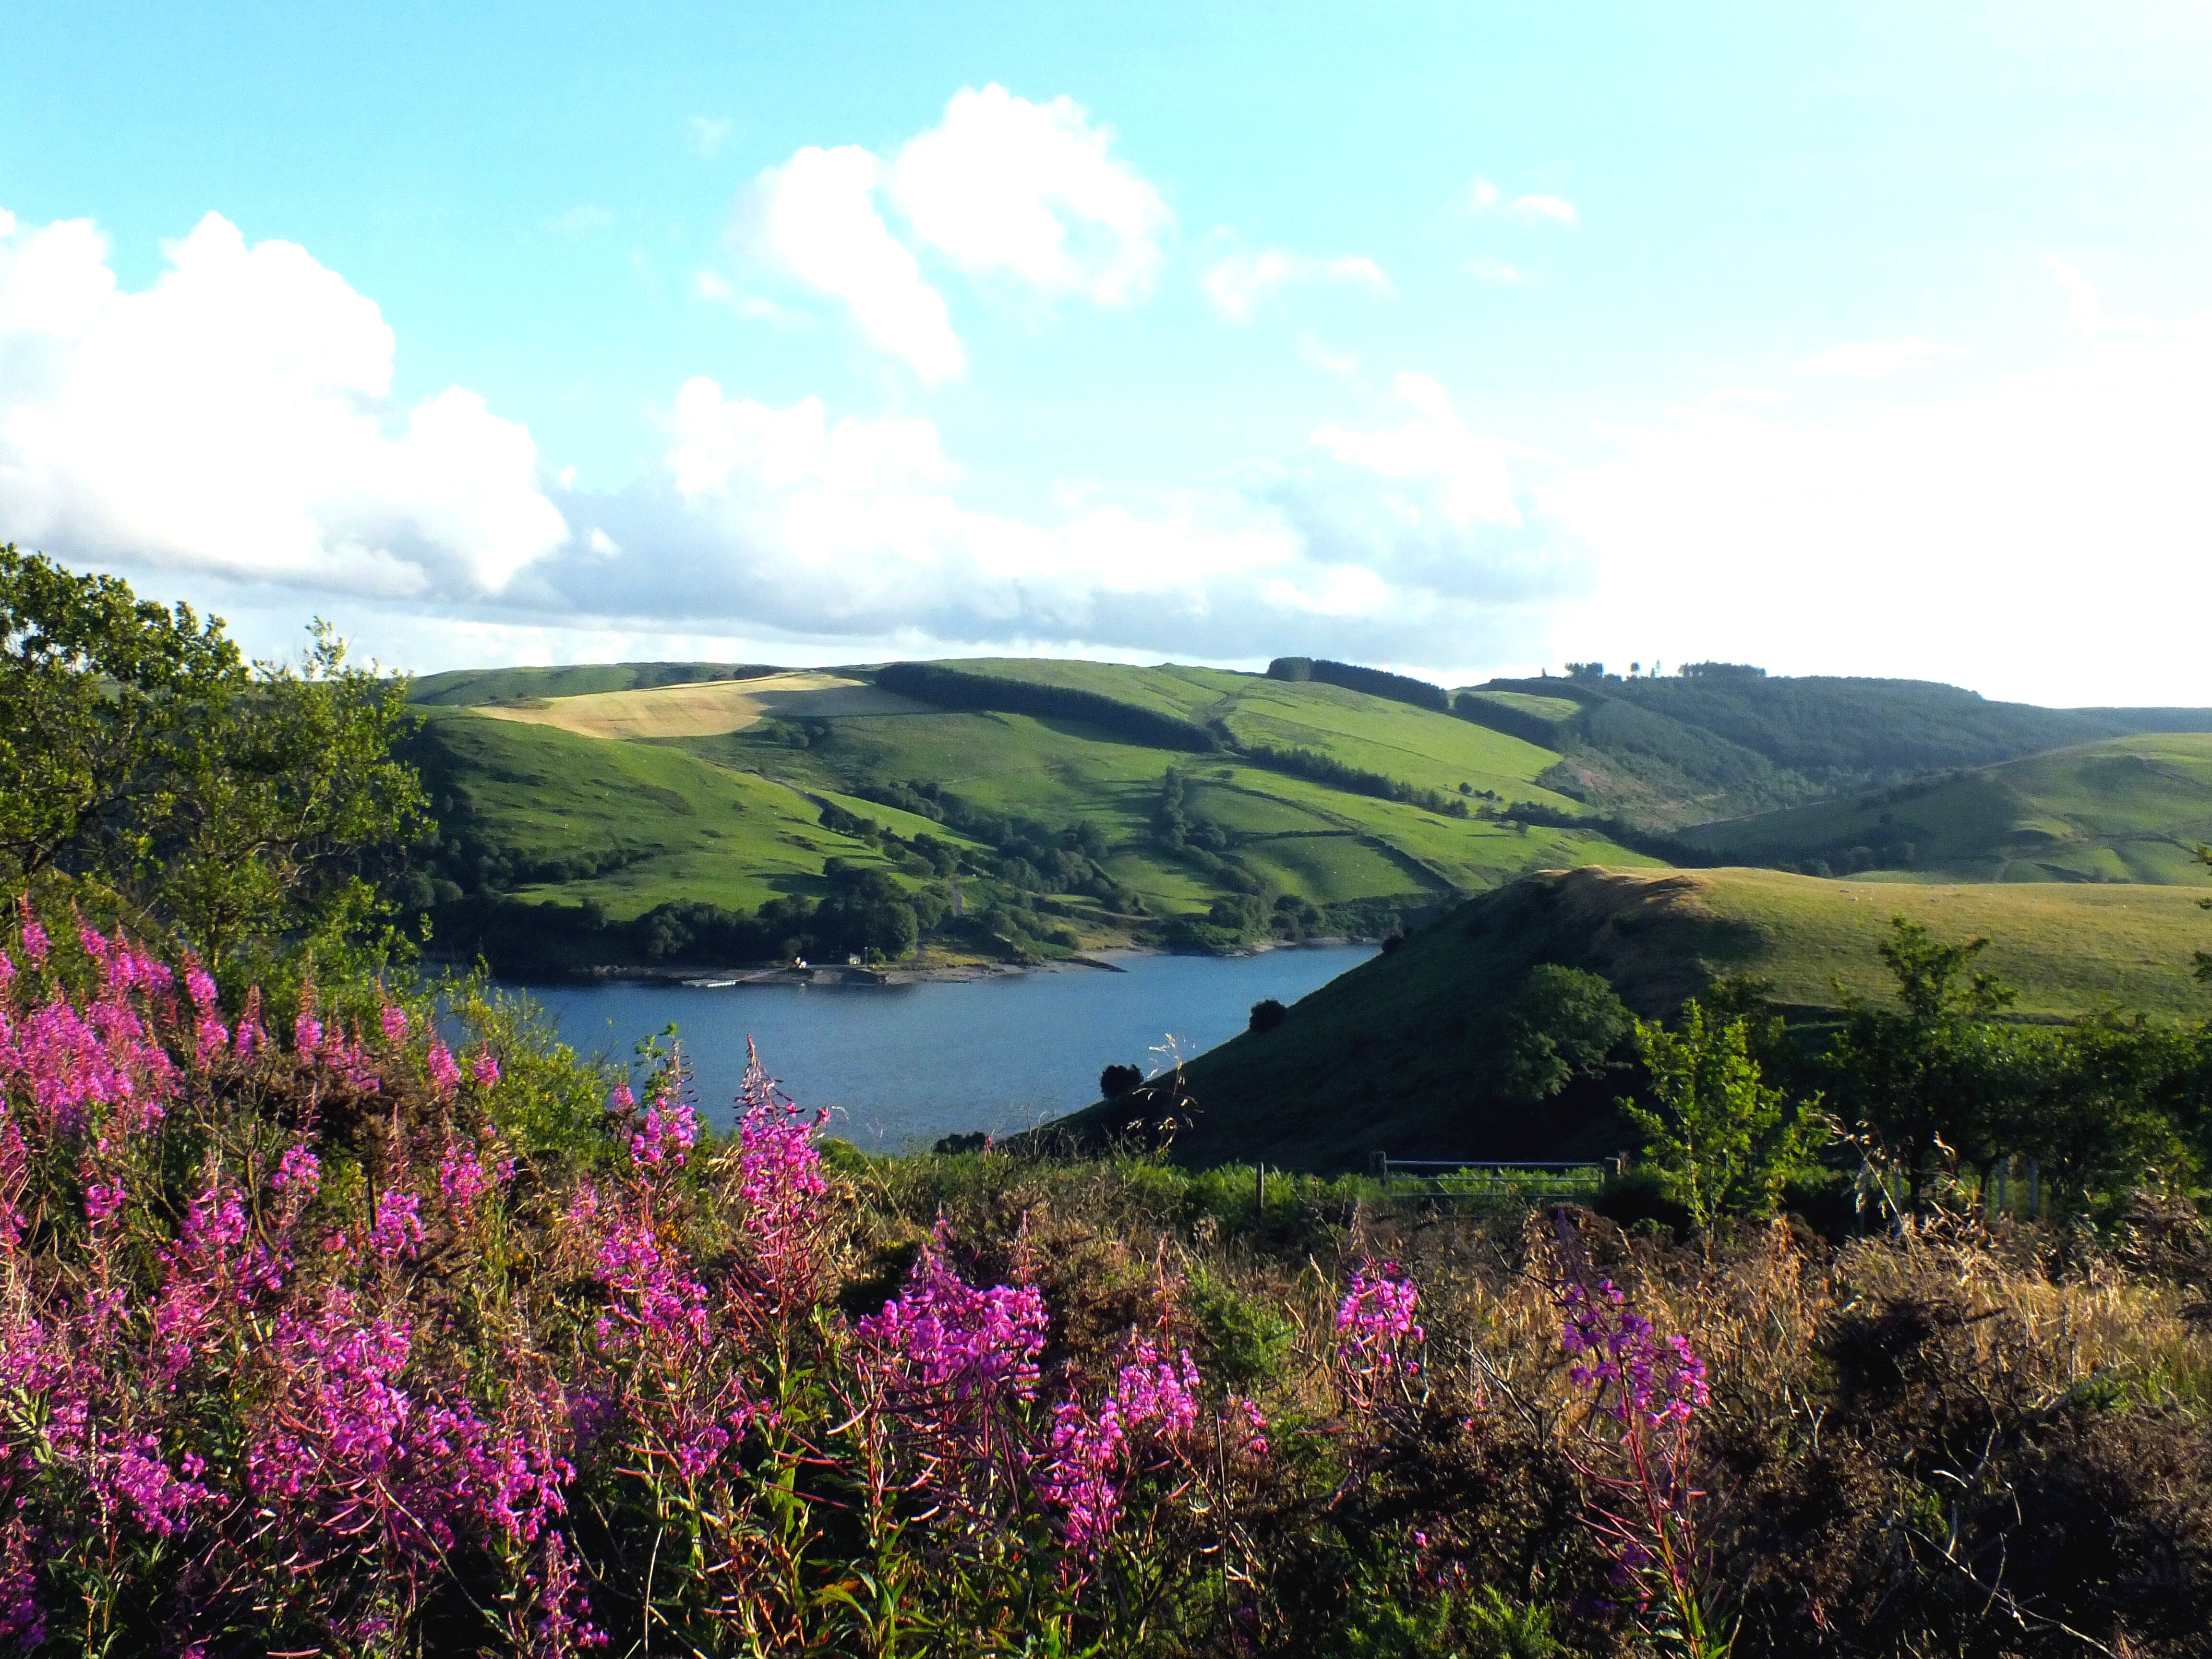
(356,1331)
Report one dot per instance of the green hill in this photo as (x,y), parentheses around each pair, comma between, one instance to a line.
(2126,810)
(1078,803)
(471,688)
(1722,741)
(1391,1056)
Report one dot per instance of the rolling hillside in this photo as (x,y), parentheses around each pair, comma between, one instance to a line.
(1391,1056)
(1125,800)
(1676,750)
(2127,811)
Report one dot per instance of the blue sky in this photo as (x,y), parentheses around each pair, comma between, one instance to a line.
(1870,339)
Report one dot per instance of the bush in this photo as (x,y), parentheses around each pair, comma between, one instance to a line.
(1268,1014)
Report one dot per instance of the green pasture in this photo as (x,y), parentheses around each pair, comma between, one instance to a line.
(1391,1056)
(2129,810)
(677,827)
(2069,948)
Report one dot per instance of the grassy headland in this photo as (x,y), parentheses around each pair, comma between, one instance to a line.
(1397,1055)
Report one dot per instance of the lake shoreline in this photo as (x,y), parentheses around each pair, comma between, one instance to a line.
(853,975)
(904,1066)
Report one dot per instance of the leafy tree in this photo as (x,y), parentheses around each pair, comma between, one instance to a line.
(251,811)
(2099,1102)
(1267,1013)
(1928,1073)
(1722,1142)
(99,691)
(1118,1080)
(1563,1023)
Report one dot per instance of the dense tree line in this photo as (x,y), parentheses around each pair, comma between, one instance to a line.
(953,688)
(1375,681)
(1352,780)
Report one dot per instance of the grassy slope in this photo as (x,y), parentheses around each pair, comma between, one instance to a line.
(1384,1057)
(1318,842)
(470,688)
(1322,843)
(2128,811)
(678,827)
(1416,746)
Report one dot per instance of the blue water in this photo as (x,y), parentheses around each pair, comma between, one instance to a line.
(900,1065)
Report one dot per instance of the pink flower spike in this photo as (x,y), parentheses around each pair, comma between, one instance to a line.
(395,1023)
(485,1070)
(445,1075)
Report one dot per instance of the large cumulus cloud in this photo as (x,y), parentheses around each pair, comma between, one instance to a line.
(235,418)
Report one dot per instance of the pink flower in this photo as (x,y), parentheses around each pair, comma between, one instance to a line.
(942,1337)
(1375,1326)
(669,1131)
(395,1023)
(299,1170)
(485,1070)
(398,1233)
(445,1075)
(464,1178)
(1151,1402)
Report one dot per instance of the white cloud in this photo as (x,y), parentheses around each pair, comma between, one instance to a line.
(1556,208)
(2048,537)
(1236,283)
(1004,187)
(1486,269)
(1484,197)
(708,132)
(1872,360)
(781,522)
(1314,351)
(235,416)
(586,220)
(712,285)
(813,220)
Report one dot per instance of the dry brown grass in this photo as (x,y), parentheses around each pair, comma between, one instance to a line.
(707,710)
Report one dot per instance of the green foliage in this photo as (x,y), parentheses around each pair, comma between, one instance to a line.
(1246,1337)
(549,1099)
(1723,1143)
(100,694)
(1487,1625)
(256,814)
(1928,1074)
(1565,1024)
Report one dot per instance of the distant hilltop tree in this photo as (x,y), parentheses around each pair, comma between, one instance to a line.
(1721,670)
(1585,671)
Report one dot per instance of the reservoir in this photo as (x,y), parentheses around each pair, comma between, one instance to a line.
(900,1065)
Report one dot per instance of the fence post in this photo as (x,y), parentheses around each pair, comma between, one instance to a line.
(1258,1189)
(2034,1190)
